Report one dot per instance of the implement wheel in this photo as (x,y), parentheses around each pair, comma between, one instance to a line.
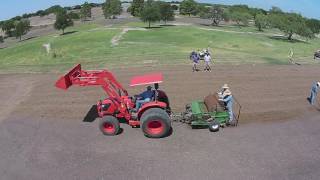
(214,126)
(109,126)
(155,123)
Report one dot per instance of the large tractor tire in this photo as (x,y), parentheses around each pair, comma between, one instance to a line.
(155,123)
(109,126)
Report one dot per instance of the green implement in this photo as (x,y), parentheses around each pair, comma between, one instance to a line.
(209,113)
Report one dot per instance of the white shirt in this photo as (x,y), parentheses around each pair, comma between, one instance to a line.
(207,58)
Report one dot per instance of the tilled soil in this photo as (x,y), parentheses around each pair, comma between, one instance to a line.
(43,136)
(265,92)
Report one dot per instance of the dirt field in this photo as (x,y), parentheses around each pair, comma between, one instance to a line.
(43,136)
(265,92)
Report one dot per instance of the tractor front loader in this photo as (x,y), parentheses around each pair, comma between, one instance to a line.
(152,117)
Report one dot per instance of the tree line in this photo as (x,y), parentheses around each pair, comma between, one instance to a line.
(152,11)
(149,11)
(289,23)
(15,28)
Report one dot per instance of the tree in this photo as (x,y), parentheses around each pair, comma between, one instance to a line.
(175,7)
(216,14)
(203,12)
(275,10)
(85,11)
(7,27)
(313,25)
(239,9)
(17,18)
(255,11)
(166,12)
(68,8)
(1,39)
(188,7)
(63,21)
(290,24)
(129,9)
(150,12)
(261,21)
(56,9)
(76,7)
(240,18)
(136,7)
(41,13)
(112,8)
(74,15)
(21,28)
(26,15)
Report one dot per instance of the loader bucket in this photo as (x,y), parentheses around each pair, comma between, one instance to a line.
(65,81)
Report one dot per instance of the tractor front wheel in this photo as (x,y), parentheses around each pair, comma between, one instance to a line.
(155,123)
(109,126)
(214,126)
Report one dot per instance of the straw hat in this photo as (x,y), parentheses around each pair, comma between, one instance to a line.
(227,92)
(225,86)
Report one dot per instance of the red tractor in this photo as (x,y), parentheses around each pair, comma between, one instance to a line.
(153,117)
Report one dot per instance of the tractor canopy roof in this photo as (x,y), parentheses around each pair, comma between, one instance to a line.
(146,79)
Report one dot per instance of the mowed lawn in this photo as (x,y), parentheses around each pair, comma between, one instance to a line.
(91,45)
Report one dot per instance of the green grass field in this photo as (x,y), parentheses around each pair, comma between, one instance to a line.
(91,45)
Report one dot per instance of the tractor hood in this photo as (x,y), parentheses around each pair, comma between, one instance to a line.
(146,79)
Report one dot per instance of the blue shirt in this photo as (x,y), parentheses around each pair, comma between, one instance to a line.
(147,94)
(195,58)
(228,100)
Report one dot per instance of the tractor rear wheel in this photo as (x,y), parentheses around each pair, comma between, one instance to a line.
(155,123)
(214,126)
(109,126)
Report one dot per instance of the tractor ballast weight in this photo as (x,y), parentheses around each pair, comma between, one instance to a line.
(152,117)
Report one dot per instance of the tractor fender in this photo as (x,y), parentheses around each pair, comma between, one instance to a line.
(149,105)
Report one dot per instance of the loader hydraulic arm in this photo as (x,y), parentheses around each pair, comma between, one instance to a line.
(102,78)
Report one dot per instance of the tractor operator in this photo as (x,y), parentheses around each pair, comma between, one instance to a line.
(144,97)
(228,100)
(314,91)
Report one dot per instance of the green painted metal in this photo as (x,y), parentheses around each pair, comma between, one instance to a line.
(200,114)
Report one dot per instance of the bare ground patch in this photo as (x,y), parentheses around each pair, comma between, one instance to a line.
(115,40)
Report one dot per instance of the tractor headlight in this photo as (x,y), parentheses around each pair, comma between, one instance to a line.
(105,107)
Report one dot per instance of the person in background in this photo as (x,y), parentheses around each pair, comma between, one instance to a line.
(291,54)
(207,61)
(195,58)
(314,91)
